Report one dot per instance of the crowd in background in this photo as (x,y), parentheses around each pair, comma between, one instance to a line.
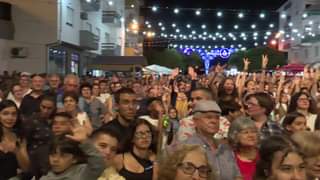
(218,126)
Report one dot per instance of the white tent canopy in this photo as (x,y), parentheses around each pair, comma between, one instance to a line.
(157,69)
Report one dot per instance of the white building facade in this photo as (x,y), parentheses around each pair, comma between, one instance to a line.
(62,36)
(299,24)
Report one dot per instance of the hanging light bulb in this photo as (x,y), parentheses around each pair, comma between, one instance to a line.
(241,15)
(154,8)
(219,14)
(176,11)
(198,12)
(236,26)
(262,15)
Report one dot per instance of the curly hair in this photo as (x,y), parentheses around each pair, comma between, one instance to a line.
(169,165)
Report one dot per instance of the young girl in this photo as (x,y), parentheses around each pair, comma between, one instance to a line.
(294,122)
(13,148)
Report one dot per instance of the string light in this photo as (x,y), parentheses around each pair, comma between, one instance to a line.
(262,15)
(219,14)
(176,11)
(241,15)
(198,12)
(154,8)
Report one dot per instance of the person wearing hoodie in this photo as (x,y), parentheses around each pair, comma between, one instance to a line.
(74,157)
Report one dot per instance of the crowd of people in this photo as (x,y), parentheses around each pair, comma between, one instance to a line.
(248,126)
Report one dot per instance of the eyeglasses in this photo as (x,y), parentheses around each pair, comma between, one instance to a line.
(145,134)
(189,169)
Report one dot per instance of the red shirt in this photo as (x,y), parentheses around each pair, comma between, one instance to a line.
(247,169)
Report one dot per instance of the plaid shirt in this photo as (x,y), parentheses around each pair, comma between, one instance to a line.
(270,128)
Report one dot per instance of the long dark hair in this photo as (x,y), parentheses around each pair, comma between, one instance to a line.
(128,144)
(17,128)
(294,103)
(269,147)
(222,92)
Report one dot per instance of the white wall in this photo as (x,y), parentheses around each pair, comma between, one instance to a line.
(71,34)
(35,26)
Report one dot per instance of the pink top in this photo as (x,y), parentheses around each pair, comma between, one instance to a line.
(247,169)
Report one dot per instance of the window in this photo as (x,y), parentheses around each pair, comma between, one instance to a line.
(306,53)
(98,32)
(89,26)
(316,51)
(69,18)
(107,37)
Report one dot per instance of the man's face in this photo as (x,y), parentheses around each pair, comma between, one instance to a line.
(54,82)
(207,122)
(46,108)
(103,87)
(127,106)
(37,83)
(198,96)
(71,85)
(107,146)
(61,125)
(24,81)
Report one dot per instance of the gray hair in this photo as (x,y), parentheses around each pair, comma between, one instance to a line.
(71,76)
(241,123)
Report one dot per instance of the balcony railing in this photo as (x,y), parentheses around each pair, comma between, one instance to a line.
(93,5)
(88,40)
(111,17)
(110,49)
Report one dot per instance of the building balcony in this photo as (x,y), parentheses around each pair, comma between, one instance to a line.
(92,5)
(88,40)
(112,17)
(311,39)
(110,49)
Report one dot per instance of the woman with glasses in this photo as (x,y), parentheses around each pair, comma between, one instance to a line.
(304,104)
(243,137)
(137,161)
(189,162)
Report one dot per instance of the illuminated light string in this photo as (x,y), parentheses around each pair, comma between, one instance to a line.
(208,55)
(219,12)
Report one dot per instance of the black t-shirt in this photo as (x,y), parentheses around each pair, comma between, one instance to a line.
(8,165)
(121,130)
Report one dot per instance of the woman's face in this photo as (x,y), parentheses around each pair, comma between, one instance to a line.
(173,113)
(313,166)
(142,137)
(69,104)
(253,107)
(287,167)
(228,86)
(251,86)
(193,167)
(248,137)
(8,117)
(284,98)
(299,124)
(303,102)
(17,92)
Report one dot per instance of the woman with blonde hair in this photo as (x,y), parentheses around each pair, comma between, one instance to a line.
(186,163)
(308,143)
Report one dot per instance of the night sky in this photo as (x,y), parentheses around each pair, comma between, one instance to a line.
(230,9)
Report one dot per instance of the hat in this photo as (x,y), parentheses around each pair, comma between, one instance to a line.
(206,106)
(25,74)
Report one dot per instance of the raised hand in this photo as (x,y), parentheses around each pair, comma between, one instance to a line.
(265,61)
(174,73)
(80,133)
(246,63)
(192,73)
